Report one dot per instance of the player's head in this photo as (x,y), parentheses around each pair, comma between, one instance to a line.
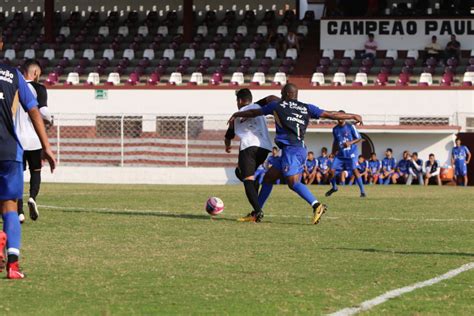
(432,157)
(341,122)
(371,37)
(324,151)
(32,70)
(244,97)
(275,151)
(310,155)
(414,155)
(289,92)
(453,37)
(361,158)
(434,39)
(373,156)
(331,156)
(389,152)
(406,154)
(458,141)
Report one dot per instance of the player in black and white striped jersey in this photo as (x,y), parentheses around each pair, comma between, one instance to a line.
(28,138)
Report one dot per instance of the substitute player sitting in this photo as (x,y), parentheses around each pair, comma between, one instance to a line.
(401,173)
(322,175)
(432,170)
(460,158)
(310,169)
(363,168)
(388,167)
(374,169)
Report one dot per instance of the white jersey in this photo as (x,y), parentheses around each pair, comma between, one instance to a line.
(252,131)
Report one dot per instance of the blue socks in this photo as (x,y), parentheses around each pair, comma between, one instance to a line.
(305,193)
(387,181)
(334,183)
(12,227)
(360,183)
(264,193)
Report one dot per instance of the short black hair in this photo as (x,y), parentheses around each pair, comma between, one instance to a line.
(310,152)
(244,94)
(458,138)
(373,153)
(371,34)
(324,149)
(431,155)
(275,147)
(434,37)
(390,150)
(360,156)
(415,153)
(28,63)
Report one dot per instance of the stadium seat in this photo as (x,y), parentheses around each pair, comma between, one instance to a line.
(262,29)
(153,79)
(113,79)
(202,30)
(447,79)
(328,53)
(472,53)
(339,79)
(65,31)
(271,53)
(29,53)
(93,78)
(69,54)
(317,79)
(237,79)
(72,78)
(349,53)
(279,79)
(258,78)
(189,53)
(229,53)
(216,78)
(361,79)
(143,30)
(128,53)
(382,79)
(291,53)
(49,54)
(168,53)
(149,54)
(108,53)
(104,31)
(176,78)
(53,78)
(210,53)
(250,53)
(196,78)
(133,79)
(222,30)
(412,53)
(88,53)
(426,79)
(392,53)
(282,29)
(468,78)
(123,30)
(302,29)
(242,29)
(403,79)
(10,54)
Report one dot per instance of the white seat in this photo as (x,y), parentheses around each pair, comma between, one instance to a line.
(10,54)
(196,78)
(302,29)
(349,53)
(88,53)
(163,30)
(65,30)
(49,53)
(72,78)
(104,31)
(180,30)
(262,29)
(242,29)
(291,53)
(114,78)
(279,78)
(69,53)
(230,53)
(250,53)
(210,53)
(271,53)
(108,53)
(143,30)
(392,53)
(259,78)
(472,53)
(361,77)
(168,53)
(317,79)
(176,78)
(128,53)
(123,30)
(328,53)
(202,29)
(412,53)
(427,78)
(93,78)
(282,29)
(189,53)
(339,79)
(468,77)
(29,53)
(222,29)
(149,53)
(237,78)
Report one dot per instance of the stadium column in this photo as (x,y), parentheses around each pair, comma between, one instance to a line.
(49,21)
(188,20)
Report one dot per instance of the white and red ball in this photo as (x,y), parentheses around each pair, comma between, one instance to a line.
(214,206)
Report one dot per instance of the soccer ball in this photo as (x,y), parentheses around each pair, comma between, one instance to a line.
(214,206)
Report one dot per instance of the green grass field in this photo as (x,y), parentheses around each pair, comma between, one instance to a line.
(130,249)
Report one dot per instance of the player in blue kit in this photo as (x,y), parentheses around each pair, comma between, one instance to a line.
(374,169)
(14,92)
(322,175)
(402,171)
(310,169)
(460,158)
(388,167)
(346,138)
(363,168)
(291,120)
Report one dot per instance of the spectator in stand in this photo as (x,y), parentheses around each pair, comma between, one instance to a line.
(322,175)
(370,48)
(432,170)
(310,168)
(453,48)
(415,169)
(460,158)
(363,168)
(291,41)
(402,169)
(388,167)
(433,49)
(374,169)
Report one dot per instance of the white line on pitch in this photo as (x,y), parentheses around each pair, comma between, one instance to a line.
(364,306)
(105,210)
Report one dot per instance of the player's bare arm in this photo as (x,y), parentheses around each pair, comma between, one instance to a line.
(332,115)
(40,129)
(229,135)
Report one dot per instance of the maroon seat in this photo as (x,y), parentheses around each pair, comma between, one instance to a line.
(153,79)
(325,62)
(453,62)
(467,84)
(431,62)
(346,62)
(447,79)
(133,79)
(53,78)
(216,78)
(471,61)
(382,79)
(367,62)
(388,62)
(410,62)
(403,79)
(246,62)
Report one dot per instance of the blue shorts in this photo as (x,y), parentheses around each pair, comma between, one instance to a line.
(340,164)
(460,170)
(11,180)
(293,160)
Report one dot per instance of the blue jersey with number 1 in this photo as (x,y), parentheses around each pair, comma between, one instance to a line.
(343,134)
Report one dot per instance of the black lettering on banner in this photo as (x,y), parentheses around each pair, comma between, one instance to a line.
(383,28)
(398,28)
(412,27)
(370,26)
(430,26)
(470,30)
(345,28)
(332,28)
(445,28)
(358,28)
(459,27)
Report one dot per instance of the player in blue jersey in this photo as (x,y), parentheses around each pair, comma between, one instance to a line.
(374,168)
(322,175)
(291,120)
(460,158)
(310,169)
(402,172)
(363,168)
(388,167)
(14,92)
(346,138)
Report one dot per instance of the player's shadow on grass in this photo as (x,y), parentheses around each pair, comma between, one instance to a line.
(404,252)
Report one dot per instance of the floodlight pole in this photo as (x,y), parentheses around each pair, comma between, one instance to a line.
(49,21)
(188,21)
